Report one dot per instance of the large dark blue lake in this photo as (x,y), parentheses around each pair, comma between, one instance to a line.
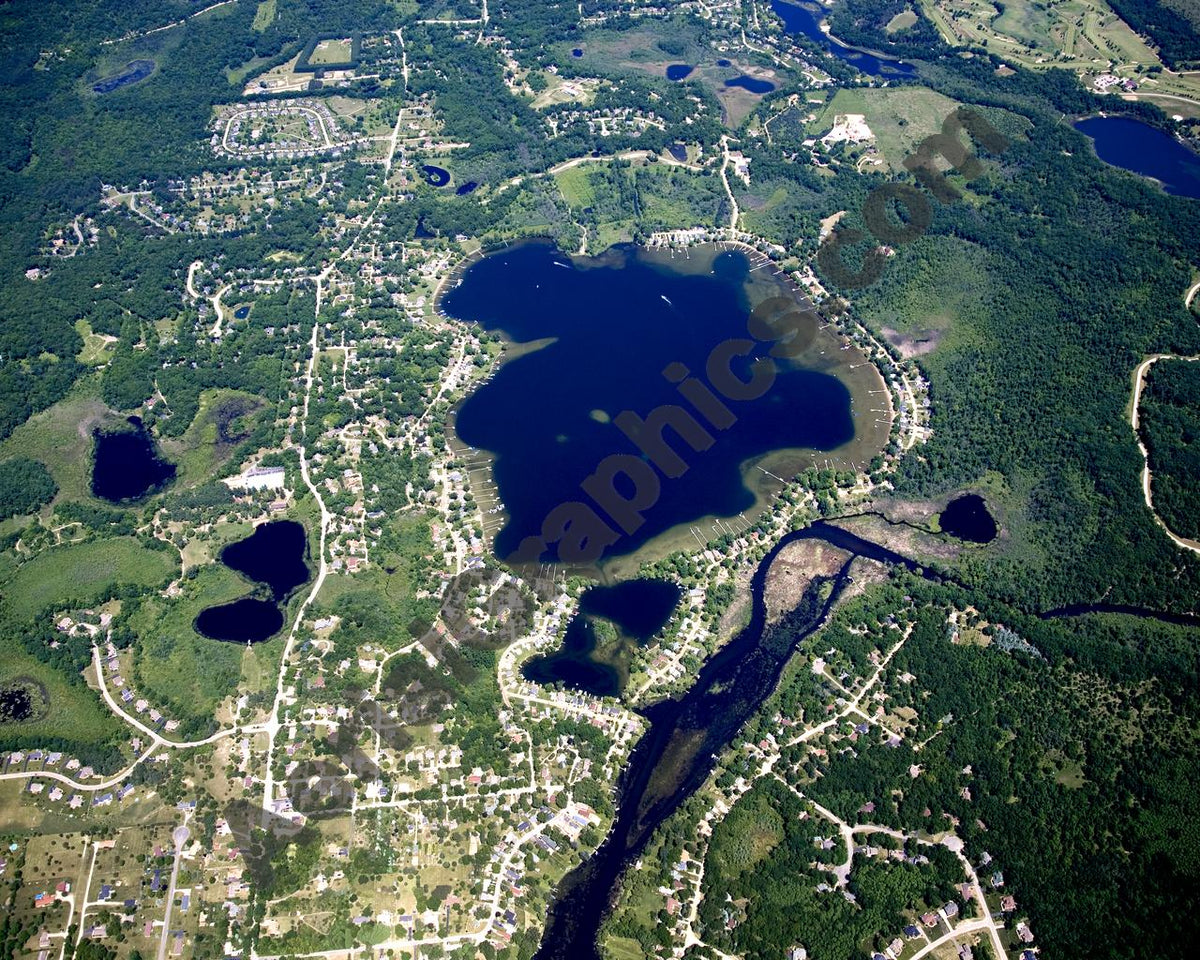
(1141,148)
(598,336)
(807,20)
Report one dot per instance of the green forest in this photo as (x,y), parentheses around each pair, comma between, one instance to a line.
(1169,422)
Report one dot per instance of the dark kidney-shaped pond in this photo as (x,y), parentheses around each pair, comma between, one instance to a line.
(1146,150)
(620,331)
(126,465)
(753,84)
(600,638)
(967,518)
(248,620)
(679,71)
(273,555)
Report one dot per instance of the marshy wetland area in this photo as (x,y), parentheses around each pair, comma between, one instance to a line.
(609,351)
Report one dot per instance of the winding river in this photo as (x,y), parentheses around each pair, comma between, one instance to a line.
(685,736)
(679,750)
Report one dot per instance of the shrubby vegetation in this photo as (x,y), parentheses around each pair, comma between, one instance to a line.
(25,485)
(862,23)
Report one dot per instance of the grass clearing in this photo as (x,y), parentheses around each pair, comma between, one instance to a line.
(79,573)
(899,117)
(901,21)
(263,16)
(61,437)
(329,52)
(97,348)
(575,186)
(624,948)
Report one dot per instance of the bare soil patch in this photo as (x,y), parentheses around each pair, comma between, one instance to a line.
(915,344)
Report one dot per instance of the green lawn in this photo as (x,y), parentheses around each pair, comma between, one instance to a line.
(575,186)
(330,52)
(263,15)
(79,573)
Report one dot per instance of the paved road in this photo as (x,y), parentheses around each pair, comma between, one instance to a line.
(180,836)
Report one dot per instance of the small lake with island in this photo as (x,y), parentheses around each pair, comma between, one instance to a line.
(273,556)
(435,176)
(603,343)
(1142,149)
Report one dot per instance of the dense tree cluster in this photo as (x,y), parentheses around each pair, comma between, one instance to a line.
(25,485)
(1170,426)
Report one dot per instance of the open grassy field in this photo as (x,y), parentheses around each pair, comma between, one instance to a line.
(81,572)
(899,117)
(330,52)
(97,348)
(61,438)
(575,186)
(264,15)
(901,21)
(175,666)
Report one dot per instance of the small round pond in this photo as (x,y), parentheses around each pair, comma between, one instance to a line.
(967,518)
